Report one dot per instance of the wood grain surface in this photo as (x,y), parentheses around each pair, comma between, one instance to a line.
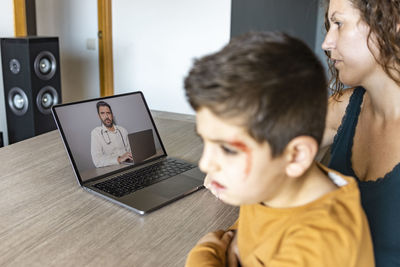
(47,219)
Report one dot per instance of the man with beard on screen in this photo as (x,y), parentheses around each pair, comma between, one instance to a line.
(109,142)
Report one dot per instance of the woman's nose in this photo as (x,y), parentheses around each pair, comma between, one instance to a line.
(329,41)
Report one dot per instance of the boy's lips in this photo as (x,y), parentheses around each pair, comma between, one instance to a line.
(217,185)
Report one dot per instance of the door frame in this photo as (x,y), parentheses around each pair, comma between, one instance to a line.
(106,69)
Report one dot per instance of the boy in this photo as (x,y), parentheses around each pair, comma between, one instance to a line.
(261,106)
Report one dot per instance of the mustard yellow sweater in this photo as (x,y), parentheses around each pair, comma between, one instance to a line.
(331,231)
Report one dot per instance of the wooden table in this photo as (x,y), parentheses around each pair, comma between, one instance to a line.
(47,219)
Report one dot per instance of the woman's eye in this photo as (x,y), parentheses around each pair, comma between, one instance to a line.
(339,24)
(228,151)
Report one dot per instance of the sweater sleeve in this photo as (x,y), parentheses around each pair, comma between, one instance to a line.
(234,226)
(206,254)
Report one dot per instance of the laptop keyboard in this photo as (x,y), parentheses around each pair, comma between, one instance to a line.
(127,183)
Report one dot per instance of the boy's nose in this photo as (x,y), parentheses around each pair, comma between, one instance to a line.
(207,163)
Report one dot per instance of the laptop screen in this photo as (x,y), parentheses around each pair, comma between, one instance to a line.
(105,135)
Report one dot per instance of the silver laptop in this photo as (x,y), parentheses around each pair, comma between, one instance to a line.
(117,153)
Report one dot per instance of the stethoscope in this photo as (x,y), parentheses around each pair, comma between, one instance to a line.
(109,139)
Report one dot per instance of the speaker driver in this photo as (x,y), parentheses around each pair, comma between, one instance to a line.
(46,98)
(18,101)
(14,65)
(45,65)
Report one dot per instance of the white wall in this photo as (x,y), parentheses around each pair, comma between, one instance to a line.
(155,42)
(6,30)
(74,22)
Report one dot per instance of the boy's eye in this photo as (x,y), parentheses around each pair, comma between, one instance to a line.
(228,150)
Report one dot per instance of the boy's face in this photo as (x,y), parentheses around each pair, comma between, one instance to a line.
(239,170)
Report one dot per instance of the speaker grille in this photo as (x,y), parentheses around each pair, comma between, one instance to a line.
(18,101)
(15,66)
(46,98)
(45,65)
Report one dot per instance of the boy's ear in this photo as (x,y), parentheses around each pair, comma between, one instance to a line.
(299,155)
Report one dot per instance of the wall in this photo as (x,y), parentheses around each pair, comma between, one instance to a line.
(297,18)
(74,22)
(320,33)
(155,42)
(6,30)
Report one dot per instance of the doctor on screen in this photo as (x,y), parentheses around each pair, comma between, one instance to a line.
(109,142)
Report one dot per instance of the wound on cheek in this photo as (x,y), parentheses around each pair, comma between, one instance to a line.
(241,146)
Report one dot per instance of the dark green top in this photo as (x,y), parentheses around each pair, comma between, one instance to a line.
(381,198)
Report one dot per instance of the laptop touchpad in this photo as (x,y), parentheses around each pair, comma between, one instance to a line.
(175,186)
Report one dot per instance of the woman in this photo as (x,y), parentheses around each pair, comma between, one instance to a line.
(363,123)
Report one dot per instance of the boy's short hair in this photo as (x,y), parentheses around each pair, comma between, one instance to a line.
(272,81)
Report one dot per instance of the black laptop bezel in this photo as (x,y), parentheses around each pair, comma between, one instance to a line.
(70,155)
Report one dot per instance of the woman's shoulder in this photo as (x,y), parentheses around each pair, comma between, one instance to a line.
(340,102)
(337,107)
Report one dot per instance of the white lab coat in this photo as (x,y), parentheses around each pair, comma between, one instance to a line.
(107,146)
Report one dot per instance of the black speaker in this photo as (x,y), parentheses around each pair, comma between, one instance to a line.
(32,84)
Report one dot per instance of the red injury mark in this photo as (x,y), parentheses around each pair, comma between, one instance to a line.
(241,146)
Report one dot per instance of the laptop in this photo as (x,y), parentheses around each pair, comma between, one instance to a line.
(142,143)
(151,181)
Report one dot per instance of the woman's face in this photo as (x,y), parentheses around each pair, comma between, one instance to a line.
(346,41)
